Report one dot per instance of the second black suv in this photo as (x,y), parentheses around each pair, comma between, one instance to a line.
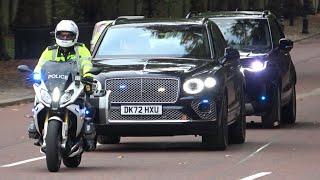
(267,65)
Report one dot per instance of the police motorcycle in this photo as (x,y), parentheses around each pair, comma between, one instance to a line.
(61,111)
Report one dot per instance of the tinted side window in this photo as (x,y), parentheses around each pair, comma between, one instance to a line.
(275,32)
(219,42)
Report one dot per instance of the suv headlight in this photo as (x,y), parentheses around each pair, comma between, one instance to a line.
(66,97)
(45,96)
(196,85)
(193,86)
(210,82)
(256,66)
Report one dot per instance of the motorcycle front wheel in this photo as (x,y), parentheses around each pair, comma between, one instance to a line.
(53,148)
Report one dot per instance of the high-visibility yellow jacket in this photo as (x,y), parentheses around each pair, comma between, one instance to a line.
(80,54)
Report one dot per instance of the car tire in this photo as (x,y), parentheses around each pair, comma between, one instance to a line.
(237,130)
(219,141)
(289,111)
(108,139)
(272,118)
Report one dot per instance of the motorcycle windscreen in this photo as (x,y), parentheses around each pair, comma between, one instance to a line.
(59,74)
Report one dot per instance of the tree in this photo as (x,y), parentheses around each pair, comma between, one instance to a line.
(69,10)
(31,13)
(3,51)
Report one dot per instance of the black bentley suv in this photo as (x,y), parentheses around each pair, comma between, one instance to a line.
(169,77)
(266,62)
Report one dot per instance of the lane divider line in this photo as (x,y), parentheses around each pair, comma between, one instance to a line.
(24,161)
(29,160)
(254,153)
(256,176)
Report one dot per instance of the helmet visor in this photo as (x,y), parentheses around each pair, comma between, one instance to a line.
(66,35)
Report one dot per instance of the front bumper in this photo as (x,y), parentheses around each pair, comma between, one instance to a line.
(180,118)
(258,94)
(158,129)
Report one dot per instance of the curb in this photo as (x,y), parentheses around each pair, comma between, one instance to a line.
(308,37)
(17,101)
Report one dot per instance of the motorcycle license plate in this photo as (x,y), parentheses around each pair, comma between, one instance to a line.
(141,110)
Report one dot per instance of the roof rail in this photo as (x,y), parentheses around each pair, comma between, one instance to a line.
(265,13)
(191,14)
(125,19)
(132,17)
(119,21)
(205,19)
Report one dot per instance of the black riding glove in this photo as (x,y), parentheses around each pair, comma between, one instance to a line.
(88,81)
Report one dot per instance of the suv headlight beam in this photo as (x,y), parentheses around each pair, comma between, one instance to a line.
(196,85)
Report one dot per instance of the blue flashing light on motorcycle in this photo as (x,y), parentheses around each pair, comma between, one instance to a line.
(37,77)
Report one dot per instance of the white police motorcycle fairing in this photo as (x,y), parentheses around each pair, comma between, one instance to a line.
(60,112)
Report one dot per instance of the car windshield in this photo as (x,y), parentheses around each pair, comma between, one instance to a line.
(247,35)
(183,41)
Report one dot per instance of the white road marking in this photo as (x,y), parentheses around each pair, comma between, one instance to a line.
(29,160)
(24,161)
(254,153)
(256,176)
(314,92)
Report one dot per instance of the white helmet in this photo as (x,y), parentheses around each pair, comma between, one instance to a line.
(67,26)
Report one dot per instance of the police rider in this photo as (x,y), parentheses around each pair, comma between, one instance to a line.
(68,49)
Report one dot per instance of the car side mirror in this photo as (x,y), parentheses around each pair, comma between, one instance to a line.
(24,68)
(285,44)
(95,71)
(231,54)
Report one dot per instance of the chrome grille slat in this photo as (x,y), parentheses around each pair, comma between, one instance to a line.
(143,90)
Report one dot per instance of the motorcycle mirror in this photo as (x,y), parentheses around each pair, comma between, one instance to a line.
(24,68)
(95,71)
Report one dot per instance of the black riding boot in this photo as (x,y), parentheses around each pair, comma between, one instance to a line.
(89,135)
(33,133)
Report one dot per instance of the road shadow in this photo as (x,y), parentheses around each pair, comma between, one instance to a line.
(153,147)
(171,147)
(297,125)
(83,169)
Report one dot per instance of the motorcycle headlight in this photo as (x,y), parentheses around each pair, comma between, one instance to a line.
(193,86)
(257,66)
(45,96)
(66,97)
(56,94)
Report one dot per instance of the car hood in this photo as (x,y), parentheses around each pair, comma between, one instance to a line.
(244,55)
(247,57)
(154,65)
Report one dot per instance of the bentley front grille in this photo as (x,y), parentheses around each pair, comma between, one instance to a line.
(143,90)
